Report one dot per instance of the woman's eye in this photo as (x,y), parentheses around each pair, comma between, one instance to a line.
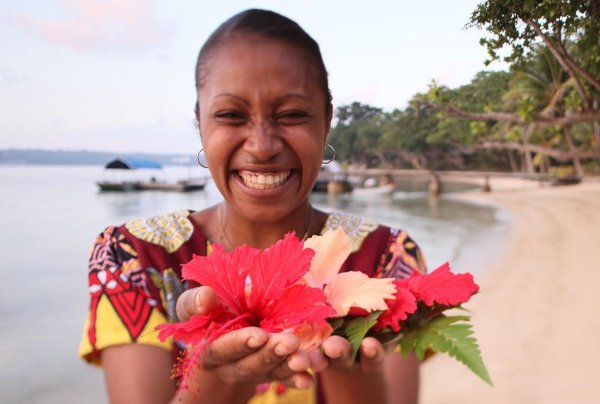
(292,117)
(230,116)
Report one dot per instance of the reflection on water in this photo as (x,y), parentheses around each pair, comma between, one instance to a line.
(50,216)
(445,229)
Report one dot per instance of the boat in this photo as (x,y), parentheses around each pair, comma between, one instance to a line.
(331,176)
(192,184)
(129,174)
(108,186)
(380,190)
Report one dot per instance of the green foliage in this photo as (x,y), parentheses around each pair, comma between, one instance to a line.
(510,37)
(526,108)
(448,335)
(428,135)
(356,329)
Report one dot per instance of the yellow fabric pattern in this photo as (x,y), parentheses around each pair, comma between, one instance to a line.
(400,249)
(355,227)
(289,396)
(169,231)
(111,331)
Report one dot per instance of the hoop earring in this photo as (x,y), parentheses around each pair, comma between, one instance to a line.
(332,157)
(198,158)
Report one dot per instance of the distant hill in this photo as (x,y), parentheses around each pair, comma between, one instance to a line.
(84,157)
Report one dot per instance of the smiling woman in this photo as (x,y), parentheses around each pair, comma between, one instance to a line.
(264,112)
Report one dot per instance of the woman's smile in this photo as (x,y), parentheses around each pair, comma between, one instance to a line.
(263,180)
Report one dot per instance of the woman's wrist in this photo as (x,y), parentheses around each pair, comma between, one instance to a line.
(208,387)
(354,385)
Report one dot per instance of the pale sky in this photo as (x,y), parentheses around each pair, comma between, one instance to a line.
(118,75)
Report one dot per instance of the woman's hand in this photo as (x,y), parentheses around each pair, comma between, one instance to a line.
(339,352)
(248,355)
(379,376)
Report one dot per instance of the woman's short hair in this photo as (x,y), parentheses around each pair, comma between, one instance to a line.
(267,24)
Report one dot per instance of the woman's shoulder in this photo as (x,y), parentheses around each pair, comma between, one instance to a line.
(170,234)
(378,249)
(356,227)
(169,231)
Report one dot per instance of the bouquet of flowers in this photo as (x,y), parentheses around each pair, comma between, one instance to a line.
(295,286)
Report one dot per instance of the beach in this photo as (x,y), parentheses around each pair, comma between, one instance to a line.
(534,315)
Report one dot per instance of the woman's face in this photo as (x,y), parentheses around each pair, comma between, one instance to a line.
(263,123)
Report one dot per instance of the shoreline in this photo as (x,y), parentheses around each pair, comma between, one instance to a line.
(532,317)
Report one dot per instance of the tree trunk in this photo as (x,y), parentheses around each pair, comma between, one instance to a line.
(527,151)
(528,162)
(596,128)
(576,160)
(561,59)
(513,163)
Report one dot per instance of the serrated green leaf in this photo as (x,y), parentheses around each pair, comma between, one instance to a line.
(357,328)
(407,343)
(448,335)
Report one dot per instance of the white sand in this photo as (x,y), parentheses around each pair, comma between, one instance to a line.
(535,317)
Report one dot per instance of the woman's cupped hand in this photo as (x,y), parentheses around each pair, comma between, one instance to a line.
(251,355)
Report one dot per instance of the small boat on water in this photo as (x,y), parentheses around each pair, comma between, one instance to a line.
(126,174)
(331,174)
(381,190)
(373,187)
(193,184)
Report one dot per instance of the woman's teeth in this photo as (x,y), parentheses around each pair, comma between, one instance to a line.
(263,180)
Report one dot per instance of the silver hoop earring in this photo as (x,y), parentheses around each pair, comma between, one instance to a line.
(198,158)
(332,157)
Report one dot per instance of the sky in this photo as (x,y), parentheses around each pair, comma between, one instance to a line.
(118,75)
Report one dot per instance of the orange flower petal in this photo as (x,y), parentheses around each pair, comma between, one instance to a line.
(355,289)
(331,250)
(312,335)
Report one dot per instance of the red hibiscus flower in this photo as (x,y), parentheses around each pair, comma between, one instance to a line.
(403,304)
(254,288)
(443,287)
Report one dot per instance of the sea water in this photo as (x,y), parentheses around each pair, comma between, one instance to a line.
(51,214)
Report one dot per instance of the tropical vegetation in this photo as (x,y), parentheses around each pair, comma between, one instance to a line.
(541,115)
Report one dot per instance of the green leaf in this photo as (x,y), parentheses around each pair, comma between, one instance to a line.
(448,335)
(335,323)
(357,328)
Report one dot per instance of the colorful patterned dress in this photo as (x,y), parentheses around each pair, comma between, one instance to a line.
(135,280)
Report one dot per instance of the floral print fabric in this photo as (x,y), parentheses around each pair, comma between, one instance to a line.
(135,279)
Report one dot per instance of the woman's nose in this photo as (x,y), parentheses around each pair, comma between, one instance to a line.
(263,141)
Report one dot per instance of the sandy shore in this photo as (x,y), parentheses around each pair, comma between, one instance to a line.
(535,317)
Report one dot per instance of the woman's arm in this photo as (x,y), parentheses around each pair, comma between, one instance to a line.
(138,374)
(379,377)
(232,365)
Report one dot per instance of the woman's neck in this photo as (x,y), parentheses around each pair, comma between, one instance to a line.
(237,230)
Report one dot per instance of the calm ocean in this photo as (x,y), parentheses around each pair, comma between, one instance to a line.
(51,214)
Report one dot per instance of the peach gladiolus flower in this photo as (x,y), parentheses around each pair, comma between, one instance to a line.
(348,289)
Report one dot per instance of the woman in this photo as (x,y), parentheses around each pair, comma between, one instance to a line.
(264,111)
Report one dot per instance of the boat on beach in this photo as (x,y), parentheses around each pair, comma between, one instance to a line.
(126,174)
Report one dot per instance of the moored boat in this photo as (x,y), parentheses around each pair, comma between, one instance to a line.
(125,174)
